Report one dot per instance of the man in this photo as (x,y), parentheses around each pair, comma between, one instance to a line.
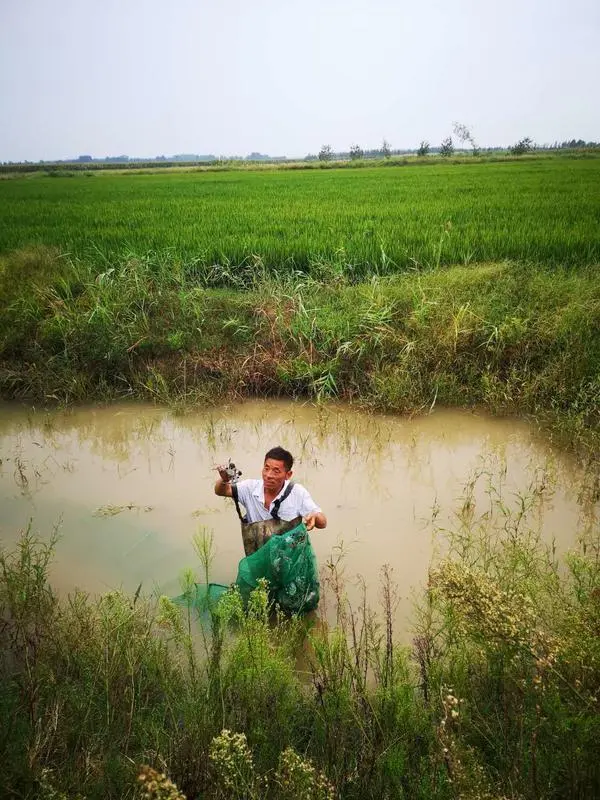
(274,504)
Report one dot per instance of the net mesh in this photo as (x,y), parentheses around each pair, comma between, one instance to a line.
(286,561)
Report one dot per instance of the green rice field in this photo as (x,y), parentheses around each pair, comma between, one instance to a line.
(382,219)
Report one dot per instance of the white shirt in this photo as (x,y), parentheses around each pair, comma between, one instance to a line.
(251,494)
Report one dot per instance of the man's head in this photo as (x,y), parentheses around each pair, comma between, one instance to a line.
(277,468)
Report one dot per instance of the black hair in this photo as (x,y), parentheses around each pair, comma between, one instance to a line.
(279,454)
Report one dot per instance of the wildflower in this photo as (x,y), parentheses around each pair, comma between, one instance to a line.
(233,764)
(156,786)
(299,780)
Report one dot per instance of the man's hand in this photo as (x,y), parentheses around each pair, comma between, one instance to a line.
(315,520)
(222,470)
(223,485)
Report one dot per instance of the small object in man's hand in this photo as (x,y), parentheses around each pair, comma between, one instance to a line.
(233,473)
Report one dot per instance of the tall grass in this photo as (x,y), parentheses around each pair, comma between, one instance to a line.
(508,645)
(372,219)
(497,697)
(91,690)
(518,338)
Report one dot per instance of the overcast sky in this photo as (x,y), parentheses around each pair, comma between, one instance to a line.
(151,77)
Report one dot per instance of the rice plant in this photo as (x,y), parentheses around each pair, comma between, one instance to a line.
(363,221)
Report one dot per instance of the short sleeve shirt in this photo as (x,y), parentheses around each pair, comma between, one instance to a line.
(251,494)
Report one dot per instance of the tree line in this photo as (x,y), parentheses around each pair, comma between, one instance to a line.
(462,139)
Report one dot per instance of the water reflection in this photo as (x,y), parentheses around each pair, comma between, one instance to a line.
(132,483)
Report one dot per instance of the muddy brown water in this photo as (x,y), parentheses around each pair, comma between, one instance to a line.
(129,485)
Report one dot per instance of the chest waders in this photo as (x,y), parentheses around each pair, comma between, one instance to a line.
(256,534)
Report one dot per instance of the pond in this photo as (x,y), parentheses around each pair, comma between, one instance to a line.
(129,485)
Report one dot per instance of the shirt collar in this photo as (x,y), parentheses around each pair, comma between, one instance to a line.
(259,491)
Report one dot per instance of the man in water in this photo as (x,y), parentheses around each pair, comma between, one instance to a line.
(274,504)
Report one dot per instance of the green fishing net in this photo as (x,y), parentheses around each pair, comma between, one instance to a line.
(288,563)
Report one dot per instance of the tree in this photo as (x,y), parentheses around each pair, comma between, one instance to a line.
(447,148)
(325,153)
(423,148)
(522,146)
(356,152)
(385,149)
(465,136)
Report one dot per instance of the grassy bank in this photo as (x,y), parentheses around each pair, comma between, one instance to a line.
(515,337)
(364,220)
(496,698)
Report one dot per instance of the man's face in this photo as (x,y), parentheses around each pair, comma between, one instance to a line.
(274,474)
